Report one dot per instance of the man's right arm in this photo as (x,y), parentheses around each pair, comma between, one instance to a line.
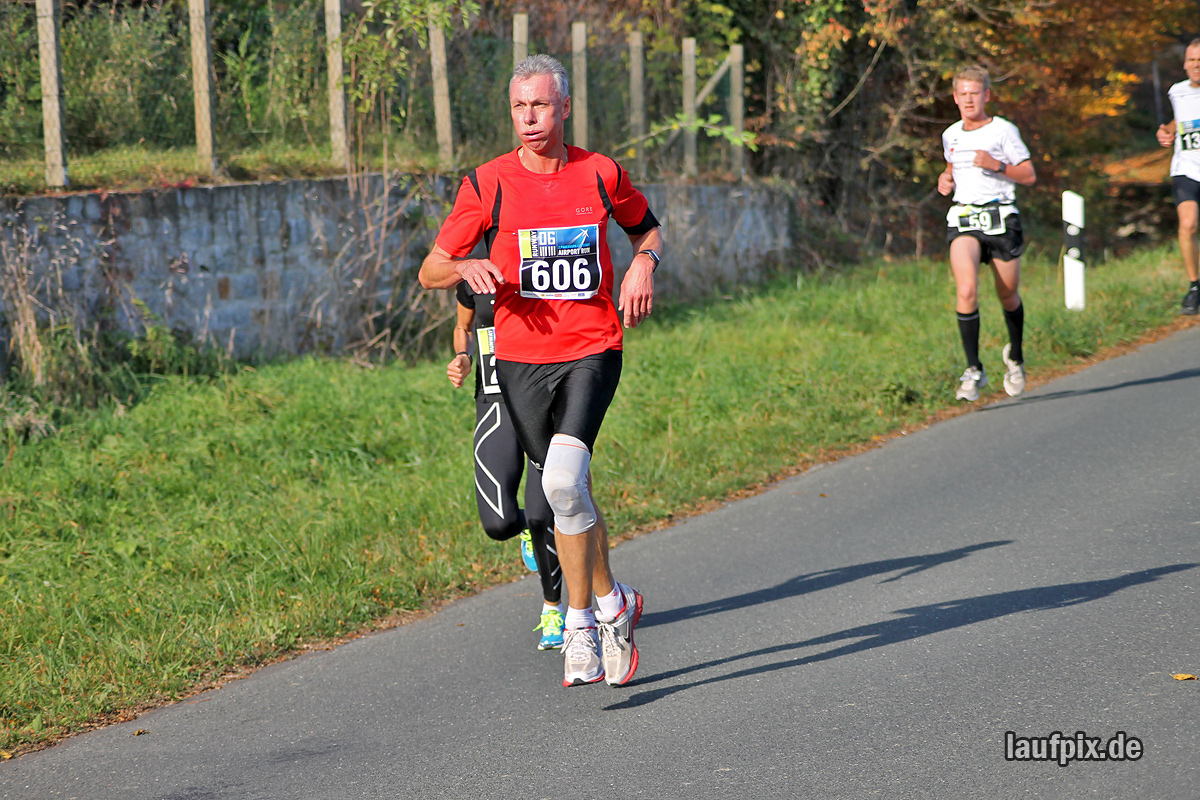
(461,230)
(440,270)
(1166,134)
(946,180)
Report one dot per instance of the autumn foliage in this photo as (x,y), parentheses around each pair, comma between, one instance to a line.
(849,97)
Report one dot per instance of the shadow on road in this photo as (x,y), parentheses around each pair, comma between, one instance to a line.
(815,581)
(1181,375)
(916,622)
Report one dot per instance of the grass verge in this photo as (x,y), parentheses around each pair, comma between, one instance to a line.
(128,168)
(219,524)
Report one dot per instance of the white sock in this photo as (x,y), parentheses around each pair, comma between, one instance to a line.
(578,618)
(610,605)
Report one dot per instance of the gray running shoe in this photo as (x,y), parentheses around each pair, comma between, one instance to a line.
(1014,374)
(973,380)
(581,657)
(616,639)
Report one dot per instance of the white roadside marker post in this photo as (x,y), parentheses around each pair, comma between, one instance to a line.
(1072,214)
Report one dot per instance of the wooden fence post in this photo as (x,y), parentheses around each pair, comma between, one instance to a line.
(520,51)
(690,167)
(579,102)
(737,107)
(338,145)
(637,101)
(202,72)
(49,14)
(441,98)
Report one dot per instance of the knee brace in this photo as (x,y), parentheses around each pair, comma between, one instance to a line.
(565,482)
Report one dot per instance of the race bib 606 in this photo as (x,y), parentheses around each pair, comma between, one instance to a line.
(560,263)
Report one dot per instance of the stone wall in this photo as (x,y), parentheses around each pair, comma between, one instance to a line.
(267,269)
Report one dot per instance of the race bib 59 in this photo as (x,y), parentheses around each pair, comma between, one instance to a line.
(560,263)
(975,218)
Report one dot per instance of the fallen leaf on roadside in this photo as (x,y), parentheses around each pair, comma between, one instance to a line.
(1183,676)
(4,754)
(140,731)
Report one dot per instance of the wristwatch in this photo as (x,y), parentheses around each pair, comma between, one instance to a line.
(653,257)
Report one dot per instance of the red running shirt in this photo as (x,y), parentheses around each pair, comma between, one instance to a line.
(547,234)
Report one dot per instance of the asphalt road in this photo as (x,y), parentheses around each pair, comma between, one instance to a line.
(872,628)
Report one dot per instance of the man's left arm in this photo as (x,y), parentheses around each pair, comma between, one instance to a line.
(1022,173)
(637,287)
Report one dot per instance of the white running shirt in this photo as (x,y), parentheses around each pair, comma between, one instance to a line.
(1185,102)
(974,185)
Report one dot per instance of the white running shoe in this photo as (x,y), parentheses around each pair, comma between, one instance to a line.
(1014,375)
(581,657)
(973,380)
(619,652)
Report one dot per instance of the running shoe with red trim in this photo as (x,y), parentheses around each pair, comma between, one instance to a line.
(618,651)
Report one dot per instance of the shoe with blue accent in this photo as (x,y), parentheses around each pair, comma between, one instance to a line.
(527,551)
(551,627)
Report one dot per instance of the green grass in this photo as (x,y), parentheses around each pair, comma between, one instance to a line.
(218,523)
(134,168)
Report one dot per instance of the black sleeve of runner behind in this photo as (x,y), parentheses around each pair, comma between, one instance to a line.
(465,295)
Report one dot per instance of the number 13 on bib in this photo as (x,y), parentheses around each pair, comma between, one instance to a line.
(560,263)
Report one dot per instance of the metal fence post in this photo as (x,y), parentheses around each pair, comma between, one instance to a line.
(579,98)
(339,149)
(49,15)
(441,98)
(690,167)
(202,73)
(637,102)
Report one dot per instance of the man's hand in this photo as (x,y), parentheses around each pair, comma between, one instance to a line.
(637,291)
(440,270)
(986,160)
(480,274)
(946,182)
(458,368)
(1166,134)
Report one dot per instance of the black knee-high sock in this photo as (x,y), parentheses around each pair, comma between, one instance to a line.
(1015,320)
(968,328)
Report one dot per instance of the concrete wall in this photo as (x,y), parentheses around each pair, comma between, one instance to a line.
(298,266)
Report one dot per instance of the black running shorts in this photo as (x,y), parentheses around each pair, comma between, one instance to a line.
(570,397)
(1006,246)
(1184,188)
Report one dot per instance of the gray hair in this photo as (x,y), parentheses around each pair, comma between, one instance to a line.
(541,64)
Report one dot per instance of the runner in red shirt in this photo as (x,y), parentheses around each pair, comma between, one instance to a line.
(543,211)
